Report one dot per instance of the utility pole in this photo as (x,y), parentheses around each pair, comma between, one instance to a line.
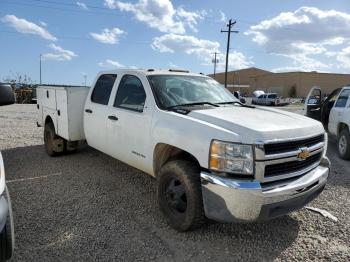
(40,68)
(229,31)
(84,75)
(215,61)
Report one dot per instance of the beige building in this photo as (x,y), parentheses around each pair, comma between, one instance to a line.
(251,79)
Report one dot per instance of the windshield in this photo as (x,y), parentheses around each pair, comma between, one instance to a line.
(176,90)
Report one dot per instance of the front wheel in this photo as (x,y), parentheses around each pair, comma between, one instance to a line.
(344,144)
(180,195)
(7,236)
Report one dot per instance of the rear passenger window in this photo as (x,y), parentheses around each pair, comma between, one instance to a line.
(103,88)
(131,94)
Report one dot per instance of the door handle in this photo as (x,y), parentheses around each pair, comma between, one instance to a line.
(88,111)
(114,118)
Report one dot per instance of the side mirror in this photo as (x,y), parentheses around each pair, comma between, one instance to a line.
(242,100)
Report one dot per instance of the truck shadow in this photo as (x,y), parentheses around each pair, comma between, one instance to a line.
(88,205)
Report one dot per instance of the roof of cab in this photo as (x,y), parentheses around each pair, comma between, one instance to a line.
(148,72)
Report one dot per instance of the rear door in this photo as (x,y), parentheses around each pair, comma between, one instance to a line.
(313,103)
(339,111)
(96,111)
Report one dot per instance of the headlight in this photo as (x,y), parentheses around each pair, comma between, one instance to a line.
(231,158)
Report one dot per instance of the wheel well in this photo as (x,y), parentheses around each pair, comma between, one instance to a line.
(48,119)
(164,153)
(342,126)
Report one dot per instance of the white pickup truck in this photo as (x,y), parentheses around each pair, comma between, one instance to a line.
(213,157)
(334,113)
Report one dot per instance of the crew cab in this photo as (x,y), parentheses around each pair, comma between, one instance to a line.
(334,113)
(270,99)
(212,156)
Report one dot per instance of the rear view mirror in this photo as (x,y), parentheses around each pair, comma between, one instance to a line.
(7,96)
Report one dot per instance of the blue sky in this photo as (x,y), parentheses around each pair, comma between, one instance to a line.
(83,37)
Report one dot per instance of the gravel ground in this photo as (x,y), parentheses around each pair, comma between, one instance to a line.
(88,206)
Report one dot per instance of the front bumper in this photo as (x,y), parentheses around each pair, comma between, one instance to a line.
(230,200)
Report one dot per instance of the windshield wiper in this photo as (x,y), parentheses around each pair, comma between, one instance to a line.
(193,104)
(235,102)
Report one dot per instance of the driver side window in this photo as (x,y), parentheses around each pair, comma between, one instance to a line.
(343,98)
(131,94)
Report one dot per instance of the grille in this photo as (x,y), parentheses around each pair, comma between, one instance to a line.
(284,147)
(290,167)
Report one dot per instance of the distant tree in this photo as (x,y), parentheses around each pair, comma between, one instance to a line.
(293,91)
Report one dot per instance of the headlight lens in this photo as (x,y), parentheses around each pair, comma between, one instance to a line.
(231,158)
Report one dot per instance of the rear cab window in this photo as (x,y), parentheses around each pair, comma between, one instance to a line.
(103,88)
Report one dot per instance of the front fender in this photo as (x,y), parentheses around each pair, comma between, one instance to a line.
(191,135)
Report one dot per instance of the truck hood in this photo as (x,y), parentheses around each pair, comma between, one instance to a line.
(259,124)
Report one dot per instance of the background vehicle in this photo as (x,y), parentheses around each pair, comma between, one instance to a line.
(7,96)
(7,236)
(237,95)
(270,99)
(334,113)
(212,156)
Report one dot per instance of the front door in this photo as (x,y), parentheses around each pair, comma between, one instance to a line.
(129,121)
(96,111)
(313,103)
(327,106)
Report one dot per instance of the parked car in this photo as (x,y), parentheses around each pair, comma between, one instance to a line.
(334,113)
(270,99)
(7,236)
(213,157)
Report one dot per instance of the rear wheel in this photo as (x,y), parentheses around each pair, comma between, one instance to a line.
(180,195)
(344,144)
(53,143)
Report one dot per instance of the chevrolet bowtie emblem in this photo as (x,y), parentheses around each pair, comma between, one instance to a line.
(305,153)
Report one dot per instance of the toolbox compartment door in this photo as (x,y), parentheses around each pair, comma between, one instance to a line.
(62,114)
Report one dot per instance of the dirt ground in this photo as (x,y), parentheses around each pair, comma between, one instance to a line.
(88,206)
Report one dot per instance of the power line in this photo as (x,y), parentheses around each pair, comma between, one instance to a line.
(71,4)
(80,38)
(62,9)
(229,31)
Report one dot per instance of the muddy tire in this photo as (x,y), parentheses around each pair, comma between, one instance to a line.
(7,241)
(180,195)
(344,144)
(49,139)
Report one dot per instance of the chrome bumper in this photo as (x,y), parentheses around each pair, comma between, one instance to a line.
(233,200)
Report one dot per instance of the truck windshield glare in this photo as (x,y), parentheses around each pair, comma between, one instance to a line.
(177,90)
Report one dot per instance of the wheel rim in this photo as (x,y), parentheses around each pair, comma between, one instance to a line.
(342,145)
(175,196)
